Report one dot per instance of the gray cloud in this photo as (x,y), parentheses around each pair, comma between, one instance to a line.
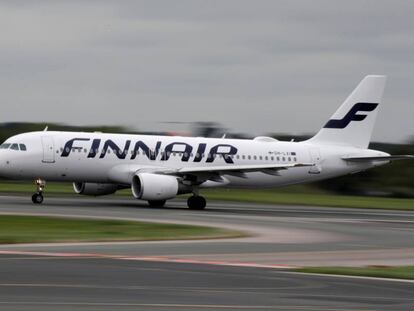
(255,66)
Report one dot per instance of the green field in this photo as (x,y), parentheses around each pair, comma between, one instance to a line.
(403,272)
(294,195)
(312,199)
(35,229)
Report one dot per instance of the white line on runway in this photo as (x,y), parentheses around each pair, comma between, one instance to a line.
(186,306)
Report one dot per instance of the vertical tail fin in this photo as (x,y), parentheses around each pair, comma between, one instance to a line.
(353,122)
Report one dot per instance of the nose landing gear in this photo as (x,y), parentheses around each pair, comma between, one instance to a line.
(37,198)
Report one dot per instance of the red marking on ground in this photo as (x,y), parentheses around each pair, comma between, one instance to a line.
(146,258)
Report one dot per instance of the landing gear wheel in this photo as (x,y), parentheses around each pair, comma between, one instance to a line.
(196,202)
(157,203)
(37,198)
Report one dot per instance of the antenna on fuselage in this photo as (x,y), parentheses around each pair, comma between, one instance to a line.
(46,128)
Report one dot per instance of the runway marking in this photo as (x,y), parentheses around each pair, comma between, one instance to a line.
(209,262)
(247,290)
(146,258)
(140,287)
(175,305)
(352,277)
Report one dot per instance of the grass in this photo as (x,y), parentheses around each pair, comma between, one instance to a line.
(403,272)
(35,229)
(317,199)
(293,195)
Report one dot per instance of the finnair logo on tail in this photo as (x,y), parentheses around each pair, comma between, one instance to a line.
(352,115)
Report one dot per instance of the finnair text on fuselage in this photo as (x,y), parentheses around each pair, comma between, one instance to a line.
(101,147)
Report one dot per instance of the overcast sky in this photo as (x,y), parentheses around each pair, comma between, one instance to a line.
(254,66)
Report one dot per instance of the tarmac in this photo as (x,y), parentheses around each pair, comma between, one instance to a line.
(250,273)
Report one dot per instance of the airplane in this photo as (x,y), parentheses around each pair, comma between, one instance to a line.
(159,168)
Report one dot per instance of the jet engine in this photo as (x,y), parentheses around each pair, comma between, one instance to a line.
(95,189)
(154,187)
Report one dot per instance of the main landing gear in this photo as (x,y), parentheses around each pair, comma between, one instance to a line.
(37,198)
(156,203)
(196,202)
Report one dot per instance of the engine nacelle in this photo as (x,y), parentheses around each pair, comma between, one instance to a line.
(95,189)
(153,187)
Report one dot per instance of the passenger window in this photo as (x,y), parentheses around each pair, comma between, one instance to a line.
(14,147)
(22,147)
(272,158)
(244,157)
(261,158)
(249,157)
(266,158)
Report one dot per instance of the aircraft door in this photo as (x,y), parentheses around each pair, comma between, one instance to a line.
(316,158)
(48,149)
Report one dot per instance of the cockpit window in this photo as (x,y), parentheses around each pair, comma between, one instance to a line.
(14,147)
(22,147)
(4,146)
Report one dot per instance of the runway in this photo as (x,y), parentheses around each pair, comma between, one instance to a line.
(162,275)
(42,283)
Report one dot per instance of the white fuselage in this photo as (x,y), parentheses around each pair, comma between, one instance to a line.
(95,158)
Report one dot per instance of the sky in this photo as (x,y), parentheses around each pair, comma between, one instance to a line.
(256,67)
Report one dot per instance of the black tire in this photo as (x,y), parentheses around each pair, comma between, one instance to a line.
(37,198)
(196,203)
(157,203)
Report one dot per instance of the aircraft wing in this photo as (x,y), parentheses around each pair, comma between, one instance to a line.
(215,173)
(199,174)
(380,158)
(240,168)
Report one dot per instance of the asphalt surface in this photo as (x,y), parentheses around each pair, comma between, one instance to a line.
(42,283)
(164,276)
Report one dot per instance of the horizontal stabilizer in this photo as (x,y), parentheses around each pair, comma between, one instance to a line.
(380,158)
